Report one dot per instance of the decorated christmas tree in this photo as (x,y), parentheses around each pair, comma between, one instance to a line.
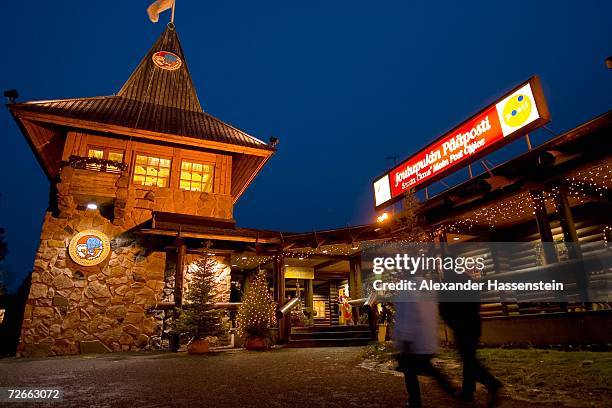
(199,318)
(256,314)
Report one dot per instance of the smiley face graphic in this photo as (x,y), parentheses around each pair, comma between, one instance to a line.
(517,110)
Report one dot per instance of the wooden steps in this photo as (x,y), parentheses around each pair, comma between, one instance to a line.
(329,336)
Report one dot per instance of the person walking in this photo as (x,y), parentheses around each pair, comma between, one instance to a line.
(463,318)
(416,338)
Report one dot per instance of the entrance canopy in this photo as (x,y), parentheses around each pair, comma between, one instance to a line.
(326,251)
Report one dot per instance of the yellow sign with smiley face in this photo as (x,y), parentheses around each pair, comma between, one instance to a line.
(517,110)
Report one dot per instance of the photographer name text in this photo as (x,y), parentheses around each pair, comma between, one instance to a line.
(469,285)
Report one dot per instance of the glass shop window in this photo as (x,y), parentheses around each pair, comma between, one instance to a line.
(196,176)
(152,171)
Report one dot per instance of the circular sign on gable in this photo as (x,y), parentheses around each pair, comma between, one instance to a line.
(89,247)
(167,60)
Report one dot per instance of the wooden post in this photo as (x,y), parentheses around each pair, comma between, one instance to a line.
(528,141)
(181,250)
(541,216)
(308,297)
(546,236)
(278,280)
(355,284)
(570,236)
(373,321)
(568,227)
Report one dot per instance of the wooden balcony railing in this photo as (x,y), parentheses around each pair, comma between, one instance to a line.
(95,164)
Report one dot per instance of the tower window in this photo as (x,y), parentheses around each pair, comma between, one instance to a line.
(102,153)
(196,176)
(151,171)
(98,154)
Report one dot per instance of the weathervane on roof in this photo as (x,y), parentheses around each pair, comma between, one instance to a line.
(158,7)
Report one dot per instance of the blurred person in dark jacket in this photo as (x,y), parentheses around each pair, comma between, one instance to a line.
(461,312)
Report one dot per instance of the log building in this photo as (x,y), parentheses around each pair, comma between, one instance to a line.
(143,183)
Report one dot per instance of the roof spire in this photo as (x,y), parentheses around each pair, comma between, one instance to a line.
(162,77)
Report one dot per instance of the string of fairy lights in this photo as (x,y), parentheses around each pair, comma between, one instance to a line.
(596,180)
(607,235)
(302,254)
(256,315)
(579,188)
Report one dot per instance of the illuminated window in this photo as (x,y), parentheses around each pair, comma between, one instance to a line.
(319,307)
(115,156)
(98,154)
(105,154)
(151,171)
(196,176)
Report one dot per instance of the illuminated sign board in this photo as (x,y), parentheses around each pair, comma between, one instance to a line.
(515,114)
(296,272)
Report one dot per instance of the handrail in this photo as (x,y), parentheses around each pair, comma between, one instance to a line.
(368,305)
(287,308)
(357,302)
(370,302)
(217,305)
(227,305)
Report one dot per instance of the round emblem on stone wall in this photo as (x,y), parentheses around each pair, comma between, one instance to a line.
(167,60)
(89,247)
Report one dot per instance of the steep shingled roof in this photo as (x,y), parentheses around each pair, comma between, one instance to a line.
(152,99)
(134,114)
(151,84)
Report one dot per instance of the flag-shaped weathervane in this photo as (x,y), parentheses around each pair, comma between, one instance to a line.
(159,6)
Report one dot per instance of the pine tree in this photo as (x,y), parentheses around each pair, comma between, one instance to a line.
(199,318)
(256,314)
(412,226)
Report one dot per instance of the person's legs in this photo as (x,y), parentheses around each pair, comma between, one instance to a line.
(474,371)
(427,368)
(409,365)
(412,386)
(467,351)
(487,379)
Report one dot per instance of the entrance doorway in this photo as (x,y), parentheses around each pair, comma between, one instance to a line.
(326,295)
(324,306)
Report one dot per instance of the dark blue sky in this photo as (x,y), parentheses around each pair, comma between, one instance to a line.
(343,84)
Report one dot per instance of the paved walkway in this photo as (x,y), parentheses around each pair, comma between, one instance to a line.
(323,377)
